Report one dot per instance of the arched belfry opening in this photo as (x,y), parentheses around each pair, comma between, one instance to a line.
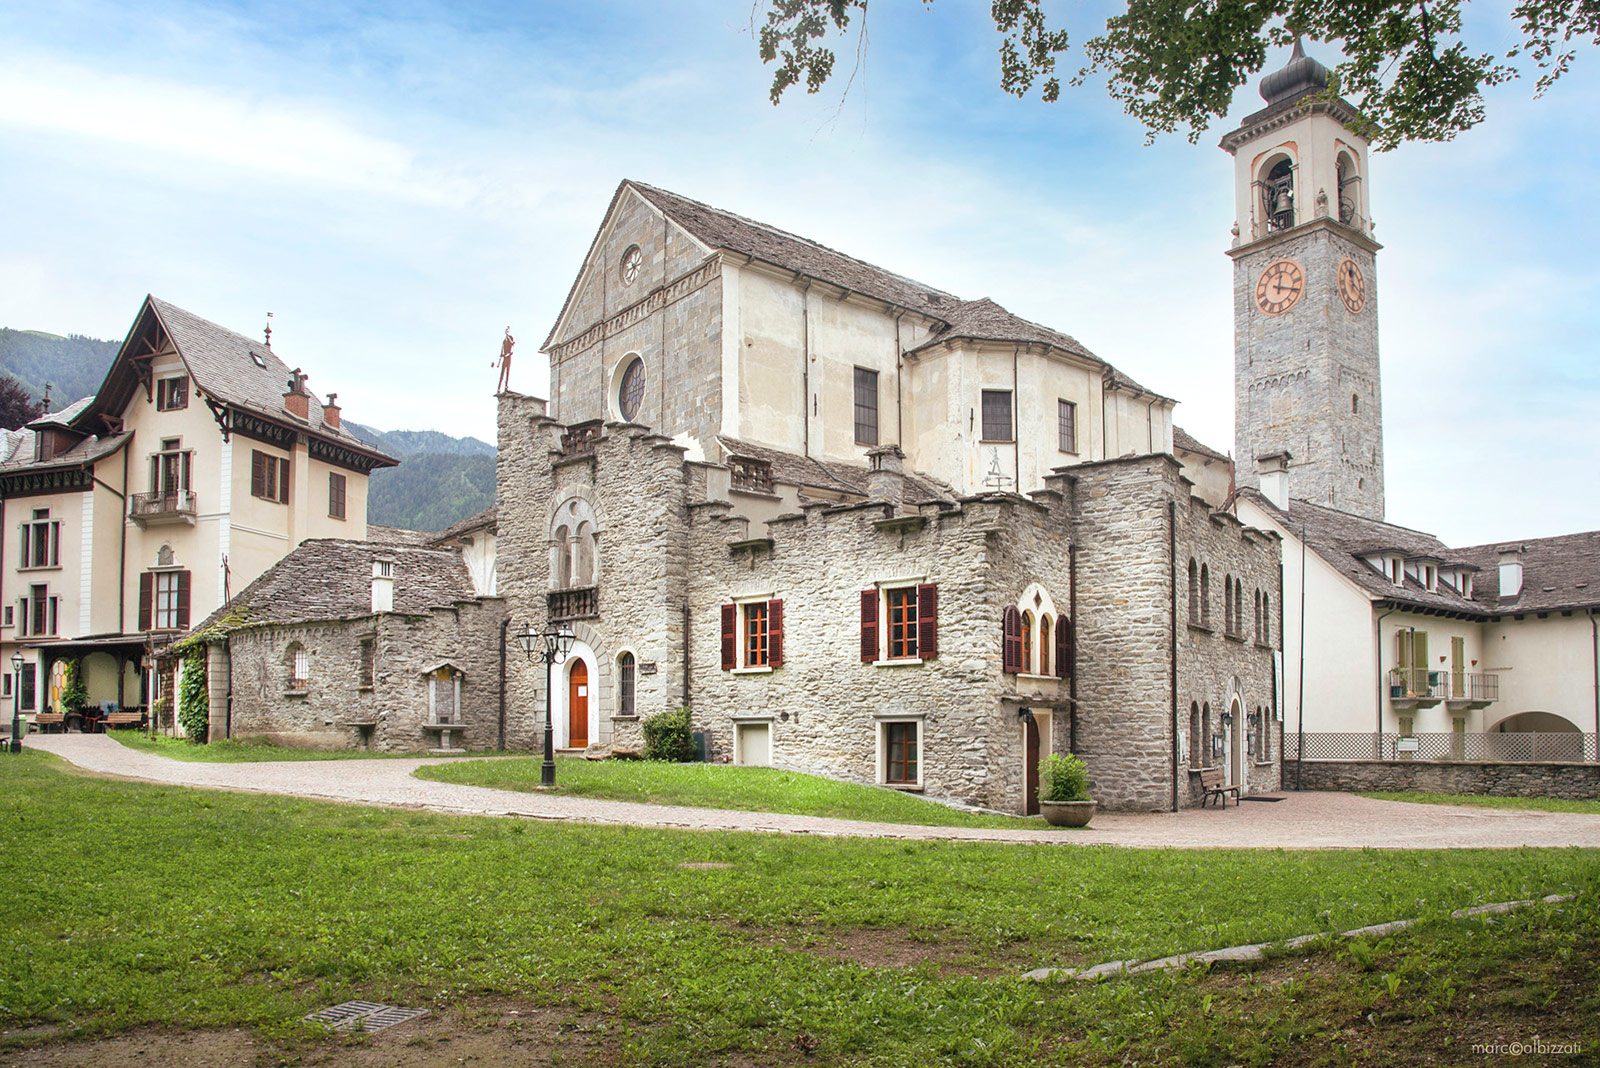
(1349,182)
(1277,194)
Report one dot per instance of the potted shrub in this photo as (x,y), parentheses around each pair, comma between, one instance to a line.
(1064,799)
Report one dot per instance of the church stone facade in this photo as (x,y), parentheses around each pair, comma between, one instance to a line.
(864,528)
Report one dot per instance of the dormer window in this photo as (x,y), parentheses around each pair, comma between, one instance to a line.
(1397,570)
(172,393)
(1430,577)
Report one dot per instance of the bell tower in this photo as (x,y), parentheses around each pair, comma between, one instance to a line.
(1305,306)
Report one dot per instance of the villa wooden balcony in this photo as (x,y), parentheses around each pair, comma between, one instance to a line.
(150,509)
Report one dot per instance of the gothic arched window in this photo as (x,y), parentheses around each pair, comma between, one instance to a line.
(561,559)
(1277,195)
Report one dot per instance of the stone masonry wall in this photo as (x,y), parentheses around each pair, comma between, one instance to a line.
(1575,781)
(467,636)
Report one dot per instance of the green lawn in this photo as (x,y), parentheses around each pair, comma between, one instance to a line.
(132,906)
(721,786)
(1537,804)
(229,751)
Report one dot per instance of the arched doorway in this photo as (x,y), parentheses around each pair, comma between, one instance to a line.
(1236,743)
(578,706)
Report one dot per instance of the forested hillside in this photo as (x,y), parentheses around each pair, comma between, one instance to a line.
(73,365)
(441,480)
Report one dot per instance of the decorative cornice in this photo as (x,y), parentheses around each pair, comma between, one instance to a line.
(1321,222)
(37,483)
(643,308)
(1265,121)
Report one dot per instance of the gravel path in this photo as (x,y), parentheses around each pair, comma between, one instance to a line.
(1300,821)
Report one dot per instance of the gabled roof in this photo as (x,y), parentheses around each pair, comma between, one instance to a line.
(1183,440)
(65,416)
(327,579)
(982,319)
(226,367)
(1557,573)
(17,447)
(485,519)
(1342,539)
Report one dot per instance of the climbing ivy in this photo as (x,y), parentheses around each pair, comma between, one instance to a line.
(194,711)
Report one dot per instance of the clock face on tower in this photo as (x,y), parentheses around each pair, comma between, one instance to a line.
(1352,285)
(1280,286)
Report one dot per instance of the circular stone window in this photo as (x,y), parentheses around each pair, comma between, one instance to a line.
(630,389)
(632,260)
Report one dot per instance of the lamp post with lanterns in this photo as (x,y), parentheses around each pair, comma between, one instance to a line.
(16,702)
(553,645)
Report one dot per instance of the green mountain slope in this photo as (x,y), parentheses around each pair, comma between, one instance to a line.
(417,442)
(430,490)
(74,365)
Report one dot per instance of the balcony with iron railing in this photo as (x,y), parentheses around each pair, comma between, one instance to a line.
(580,603)
(162,507)
(1470,689)
(1416,687)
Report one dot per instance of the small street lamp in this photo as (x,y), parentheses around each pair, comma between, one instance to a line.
(552,646)
(16,702)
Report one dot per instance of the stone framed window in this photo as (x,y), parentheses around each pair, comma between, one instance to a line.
(997,424)
(367,664)
(866,397)
(1194,593)
(1046,636)
(900,752)
(1066,426)
(298,661)
(1205,595)
(627,685)
(1196,738)
(900,623)
(752,634)
(41,542)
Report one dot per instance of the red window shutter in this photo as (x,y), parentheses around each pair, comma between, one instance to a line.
(1063,648)
(258,473)
(730,635)
(147,589)
(869,625)
(183,598)
(283,481)
(927,621)
(1011,640)
(775,633)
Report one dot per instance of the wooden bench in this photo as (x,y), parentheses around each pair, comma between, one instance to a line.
(1212,786)
(45,720)
(121,719)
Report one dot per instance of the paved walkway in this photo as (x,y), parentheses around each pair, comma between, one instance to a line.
(1300,821)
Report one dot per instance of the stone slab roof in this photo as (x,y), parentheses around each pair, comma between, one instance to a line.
(17,447)
(485,519)
(1341,539)
(803,471)
(66,415)
(382,535)
(330,579)
(1182,439)
(981,319)
(1557,573)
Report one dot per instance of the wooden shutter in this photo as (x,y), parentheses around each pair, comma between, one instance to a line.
(55,544)
(147,589)
(775,633)
(183,599)
(927,621)
(26,560)
(55,616)
(1063,648)
(1011,640)
(258,473)
(869,625)
(730,635)
(283,481)
(22,611)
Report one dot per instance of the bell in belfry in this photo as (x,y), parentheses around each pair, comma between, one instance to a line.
(1282,202)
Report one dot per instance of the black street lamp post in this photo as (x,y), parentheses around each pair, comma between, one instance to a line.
(16,702)
(552,645)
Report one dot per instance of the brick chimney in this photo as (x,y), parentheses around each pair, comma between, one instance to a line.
(886,477)
(330,412)
(297,402)
(1272,473)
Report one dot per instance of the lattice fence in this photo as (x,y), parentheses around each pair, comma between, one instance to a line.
(1519,747)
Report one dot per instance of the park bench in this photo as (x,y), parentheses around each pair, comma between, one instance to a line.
(121,719)
(45,720)
(1212,786)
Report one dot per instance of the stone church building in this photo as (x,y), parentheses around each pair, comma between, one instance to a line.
(863,527)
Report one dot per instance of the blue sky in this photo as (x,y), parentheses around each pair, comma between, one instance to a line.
(398,182)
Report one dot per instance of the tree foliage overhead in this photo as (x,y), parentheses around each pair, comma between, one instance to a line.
(17,408)
(1175,64)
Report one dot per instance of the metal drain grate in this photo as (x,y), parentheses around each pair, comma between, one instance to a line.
(363,1016)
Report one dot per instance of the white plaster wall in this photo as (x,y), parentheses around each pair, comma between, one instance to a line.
(1313,142)
(1440,631)
(1545,665)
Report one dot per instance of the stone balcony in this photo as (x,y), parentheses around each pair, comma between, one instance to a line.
(150,509)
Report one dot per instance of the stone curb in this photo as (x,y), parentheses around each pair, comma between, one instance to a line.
(1258,951)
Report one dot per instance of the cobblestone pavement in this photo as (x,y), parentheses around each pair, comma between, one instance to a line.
(1300,821)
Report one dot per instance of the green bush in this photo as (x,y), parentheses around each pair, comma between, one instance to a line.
(74,691)
(667,737)
(194,711)
(1063,778)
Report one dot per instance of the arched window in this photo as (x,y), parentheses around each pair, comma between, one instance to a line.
(299,664)
(1266,619)
(1027,642)
(1238,607)
(1011,641)
(1194,591)
(1227,604)
(1205,733)
(626,685)
(1264,750)
(583,556)
(1195,737)
(1046,636)
(1277,195)
(1349,183)
(1205,595)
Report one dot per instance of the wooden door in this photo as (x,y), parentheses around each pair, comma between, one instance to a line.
(1236,747)
(578,706)
(755,744)
(1031,758)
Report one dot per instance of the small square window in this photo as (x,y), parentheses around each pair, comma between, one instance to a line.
(901,757)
